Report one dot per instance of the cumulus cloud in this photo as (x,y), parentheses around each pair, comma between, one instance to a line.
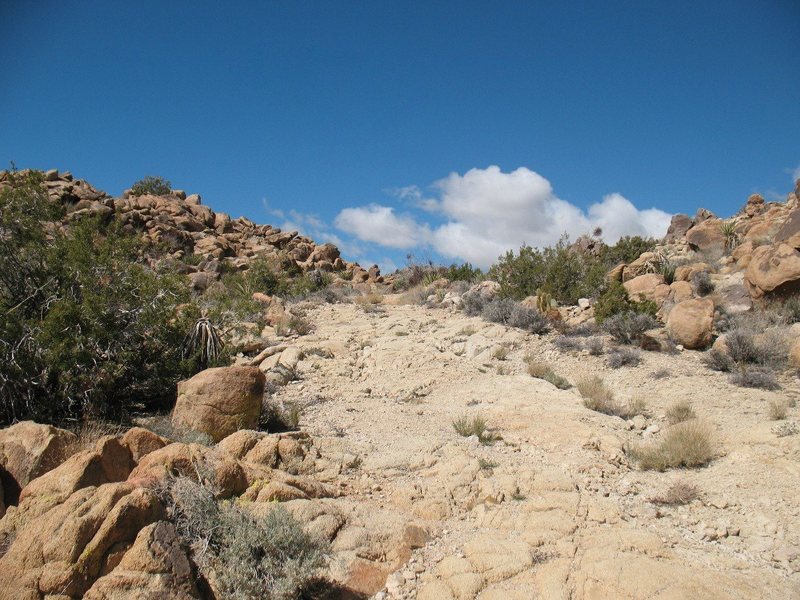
(796,173)
(381,225)
(486,212)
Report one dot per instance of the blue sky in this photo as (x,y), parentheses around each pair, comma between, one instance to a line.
(449,130)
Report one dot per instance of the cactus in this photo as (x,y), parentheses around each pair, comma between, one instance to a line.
(544,301)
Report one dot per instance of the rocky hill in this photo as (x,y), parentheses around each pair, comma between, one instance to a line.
(440,442)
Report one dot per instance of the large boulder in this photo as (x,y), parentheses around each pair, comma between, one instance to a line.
(650,286)
(220,401)
(156,566)
(789,232)
(773,269)
(678,227)
(707,236)
(29,450)
(60,554)
(690,323)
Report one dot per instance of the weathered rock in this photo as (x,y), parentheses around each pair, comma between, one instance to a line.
(707,236)
(220,401)
(29,450)
(61,553)
(643,286)
(195,461)
(678,227)
(789,233)
(774,269)
(155,567)
(141,442)
(690,323)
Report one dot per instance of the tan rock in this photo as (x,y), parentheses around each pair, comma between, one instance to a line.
(220,401)
(773,269)
(707,236)
(643,286)
(141,442)
(63,551)
(680,291)
(687,272)
(690,323)
(155,567)
(195,461)
(29,450)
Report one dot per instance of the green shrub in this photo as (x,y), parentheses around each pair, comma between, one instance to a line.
(151,186)
(543,371)
(626,250)
(466,427)
(614,300)
(85,330)
(464,272)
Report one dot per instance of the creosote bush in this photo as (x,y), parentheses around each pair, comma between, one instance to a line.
(595,346)
(702,284)
(248,558)
(567,344)
(755,377)
(686,444)
(615,300)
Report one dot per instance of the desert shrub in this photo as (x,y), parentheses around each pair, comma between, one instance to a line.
(624,357)
(626,250)
(529,319)
(501,352)
(755,377)
(151,186)
(466,427)
(596,394)
(778,409)
(790,310)
(499,310)
(686,444)
(615,300)
(464,272)
(667,270)
(248,557)
(628,327)
(567,344)
(202,342)
(716,360)
(543,371)
(85,329)
(661,374)
(559,270)
(595,346)
(473,303)
(582,330)
(678,494)
(702,284)
(680,411)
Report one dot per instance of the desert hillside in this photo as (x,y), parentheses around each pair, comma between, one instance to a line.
(315,429)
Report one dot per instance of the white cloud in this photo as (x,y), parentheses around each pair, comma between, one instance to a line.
(380,224)
(488,212)
(796,173)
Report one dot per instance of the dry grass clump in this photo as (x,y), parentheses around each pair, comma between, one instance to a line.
(162,425)
(599,397)
(544,371)
(467,427)
(596,394)
(90,432)
(277,416)
(686,444)
(502,352)
(678,494)
(680,411)
(778,410)
(661,374)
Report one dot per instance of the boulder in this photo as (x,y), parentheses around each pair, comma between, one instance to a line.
(773,269)
(141,442)
(789,233)
(29,450)
(643,286)
(678,227)
(60,554)
(156,566)
(680,291)
(220,401)
(707,236)
(690,323)
(687,272)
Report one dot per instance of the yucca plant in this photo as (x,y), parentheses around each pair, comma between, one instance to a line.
(728,231)
(202,341)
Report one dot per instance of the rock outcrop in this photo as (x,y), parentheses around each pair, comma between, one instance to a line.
(691,322)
